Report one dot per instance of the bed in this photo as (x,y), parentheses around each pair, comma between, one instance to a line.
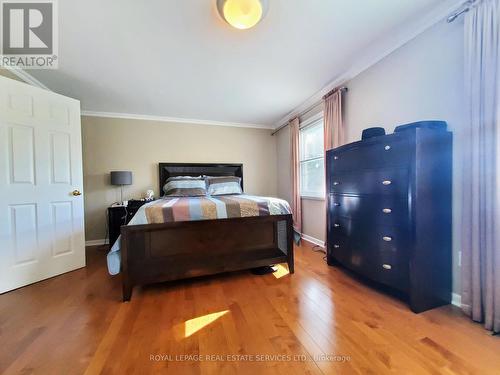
(185,247)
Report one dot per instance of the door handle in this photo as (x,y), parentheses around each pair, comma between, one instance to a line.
(76,193)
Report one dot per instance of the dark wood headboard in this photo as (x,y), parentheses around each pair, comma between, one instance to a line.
(167,170)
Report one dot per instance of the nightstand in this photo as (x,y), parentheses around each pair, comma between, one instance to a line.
(121,215)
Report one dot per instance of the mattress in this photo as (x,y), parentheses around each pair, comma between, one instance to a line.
(179,209)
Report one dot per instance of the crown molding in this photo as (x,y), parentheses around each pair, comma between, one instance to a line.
(26,77)
(178,120)
(378,51)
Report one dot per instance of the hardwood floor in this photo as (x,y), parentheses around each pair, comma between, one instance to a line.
(75,324)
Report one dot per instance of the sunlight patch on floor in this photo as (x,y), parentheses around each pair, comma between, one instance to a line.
(192,326)
(281,271)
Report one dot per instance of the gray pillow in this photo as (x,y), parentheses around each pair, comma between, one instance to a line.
(224,185)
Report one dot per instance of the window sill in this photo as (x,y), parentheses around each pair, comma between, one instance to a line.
(310,198)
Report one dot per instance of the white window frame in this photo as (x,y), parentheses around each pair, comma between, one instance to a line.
(310,122)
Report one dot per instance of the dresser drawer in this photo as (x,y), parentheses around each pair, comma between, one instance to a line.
(378,238)
(370,210)
(391,268)
(382,181)
(392,151)
(338,247)
(378,252)
(355,256)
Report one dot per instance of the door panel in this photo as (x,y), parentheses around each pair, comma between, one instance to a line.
(24,233)
(62,227)
(60,158)
(20,103)
(41,222)
(21,155)
(59,114)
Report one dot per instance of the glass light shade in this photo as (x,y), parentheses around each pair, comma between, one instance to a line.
(242,14)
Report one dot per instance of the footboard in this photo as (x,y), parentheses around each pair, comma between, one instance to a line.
(161,252)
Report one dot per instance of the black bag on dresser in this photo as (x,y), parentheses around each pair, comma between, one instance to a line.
(389,211)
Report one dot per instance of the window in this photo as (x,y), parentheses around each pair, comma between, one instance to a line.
(312,161)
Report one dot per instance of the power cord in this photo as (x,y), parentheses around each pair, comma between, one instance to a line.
(319,249)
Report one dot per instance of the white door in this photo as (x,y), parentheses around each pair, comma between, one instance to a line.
(41,220)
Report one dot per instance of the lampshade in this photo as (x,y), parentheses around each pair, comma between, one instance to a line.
(121,178)
(242,14)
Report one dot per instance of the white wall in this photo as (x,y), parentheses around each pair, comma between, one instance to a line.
(421,80)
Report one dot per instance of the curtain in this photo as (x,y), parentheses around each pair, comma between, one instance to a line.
(481,166)
(334,132)
(296,202)
(334,127)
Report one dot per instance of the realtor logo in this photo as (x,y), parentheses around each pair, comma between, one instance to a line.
(29,34)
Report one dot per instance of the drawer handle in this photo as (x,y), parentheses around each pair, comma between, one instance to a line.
(386,182)
(335,158)
(387,148)
(336,204)
(387,238)
(336,246)
(386,210)
(336,225)
(387,266)
(336,183)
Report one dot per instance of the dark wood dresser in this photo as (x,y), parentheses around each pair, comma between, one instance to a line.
(389,212)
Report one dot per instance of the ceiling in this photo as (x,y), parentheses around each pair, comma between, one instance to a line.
(179,59)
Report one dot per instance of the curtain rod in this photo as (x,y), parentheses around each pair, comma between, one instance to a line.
(464,8)
(329,93)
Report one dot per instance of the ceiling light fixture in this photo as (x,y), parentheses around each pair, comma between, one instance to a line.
(242,14)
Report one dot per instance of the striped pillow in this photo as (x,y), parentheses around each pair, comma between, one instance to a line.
(185,186)
(224,185)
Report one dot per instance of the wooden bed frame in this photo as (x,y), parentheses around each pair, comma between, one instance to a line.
(155,253)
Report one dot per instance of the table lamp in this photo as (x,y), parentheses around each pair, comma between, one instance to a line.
(121,178)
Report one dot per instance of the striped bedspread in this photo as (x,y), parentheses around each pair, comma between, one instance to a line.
(209,207)
(173,209)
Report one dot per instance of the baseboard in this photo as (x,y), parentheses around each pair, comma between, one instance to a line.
(313,240)
(97,242)
(456,299)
